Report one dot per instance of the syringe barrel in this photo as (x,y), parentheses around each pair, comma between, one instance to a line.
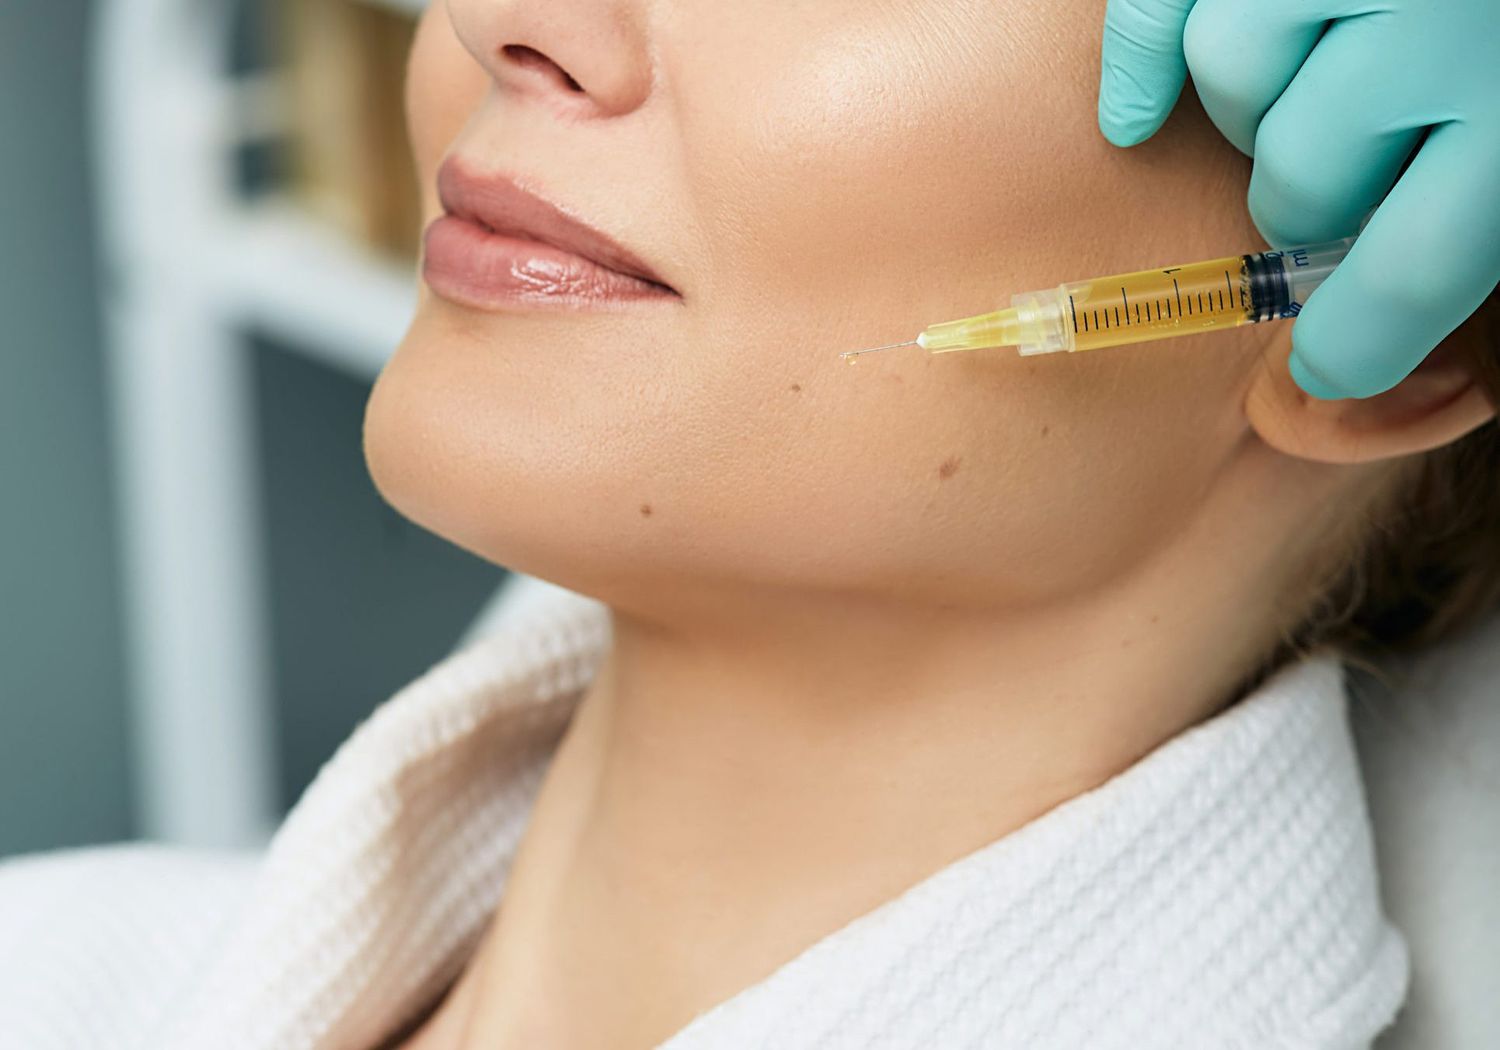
(1188,299)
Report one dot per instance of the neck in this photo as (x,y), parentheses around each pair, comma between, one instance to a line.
(745,755)
(770,774)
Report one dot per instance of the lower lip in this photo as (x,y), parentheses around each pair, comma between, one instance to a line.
(474,266)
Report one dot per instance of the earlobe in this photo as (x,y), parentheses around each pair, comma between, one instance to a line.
(1437,404)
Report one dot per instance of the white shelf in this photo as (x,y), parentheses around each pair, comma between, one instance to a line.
(297,277)
(190,265)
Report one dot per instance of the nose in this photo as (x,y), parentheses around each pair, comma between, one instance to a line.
(587,54)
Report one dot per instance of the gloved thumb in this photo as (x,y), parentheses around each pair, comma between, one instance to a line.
(1143,68)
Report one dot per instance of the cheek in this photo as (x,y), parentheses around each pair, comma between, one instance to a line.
(884,154)
(886,177)
(897,170)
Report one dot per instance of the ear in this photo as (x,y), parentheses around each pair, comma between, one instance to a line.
(1437,404)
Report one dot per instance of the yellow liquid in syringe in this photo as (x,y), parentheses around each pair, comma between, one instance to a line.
(1113,311)
(1143,306)
(1154,304)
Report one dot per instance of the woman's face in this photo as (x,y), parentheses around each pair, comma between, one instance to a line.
(812,176)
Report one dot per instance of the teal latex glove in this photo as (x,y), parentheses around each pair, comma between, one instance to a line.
(1330,97)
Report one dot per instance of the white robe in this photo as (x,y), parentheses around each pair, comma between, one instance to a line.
(1221,892)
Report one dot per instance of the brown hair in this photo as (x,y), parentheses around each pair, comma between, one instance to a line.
(1426,566)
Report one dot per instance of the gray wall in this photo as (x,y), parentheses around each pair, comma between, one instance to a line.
(64,773)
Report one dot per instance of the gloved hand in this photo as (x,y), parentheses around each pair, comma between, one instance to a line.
(1329,118)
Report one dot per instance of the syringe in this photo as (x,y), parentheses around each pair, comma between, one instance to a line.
(1148,304)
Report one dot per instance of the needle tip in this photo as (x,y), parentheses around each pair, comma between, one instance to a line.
(876,349)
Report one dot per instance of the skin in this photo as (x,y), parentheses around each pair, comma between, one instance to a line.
(923,600)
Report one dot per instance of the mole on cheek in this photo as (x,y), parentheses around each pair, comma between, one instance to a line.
(1046,430)
(645,510)
(948,468)
(796,388)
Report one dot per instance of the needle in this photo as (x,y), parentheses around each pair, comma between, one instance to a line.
(874,349)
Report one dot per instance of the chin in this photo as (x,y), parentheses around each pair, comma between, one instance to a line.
(462,474)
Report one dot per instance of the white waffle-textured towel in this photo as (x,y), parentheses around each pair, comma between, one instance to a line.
(1219,893)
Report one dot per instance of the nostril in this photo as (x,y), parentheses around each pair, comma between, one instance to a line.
(534,59)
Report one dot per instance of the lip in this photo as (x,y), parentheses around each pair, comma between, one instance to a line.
(499,244)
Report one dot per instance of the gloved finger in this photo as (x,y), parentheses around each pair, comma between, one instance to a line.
(1427,260)
(1333,144)
(1242,57)
(1142,69)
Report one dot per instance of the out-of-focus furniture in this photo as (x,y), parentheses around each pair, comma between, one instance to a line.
(189,265)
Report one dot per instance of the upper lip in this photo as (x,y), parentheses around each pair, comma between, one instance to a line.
(501,204)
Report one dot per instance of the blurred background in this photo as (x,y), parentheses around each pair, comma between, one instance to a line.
(208,241)
(209,249)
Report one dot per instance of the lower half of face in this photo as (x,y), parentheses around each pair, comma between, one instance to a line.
(812,178)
